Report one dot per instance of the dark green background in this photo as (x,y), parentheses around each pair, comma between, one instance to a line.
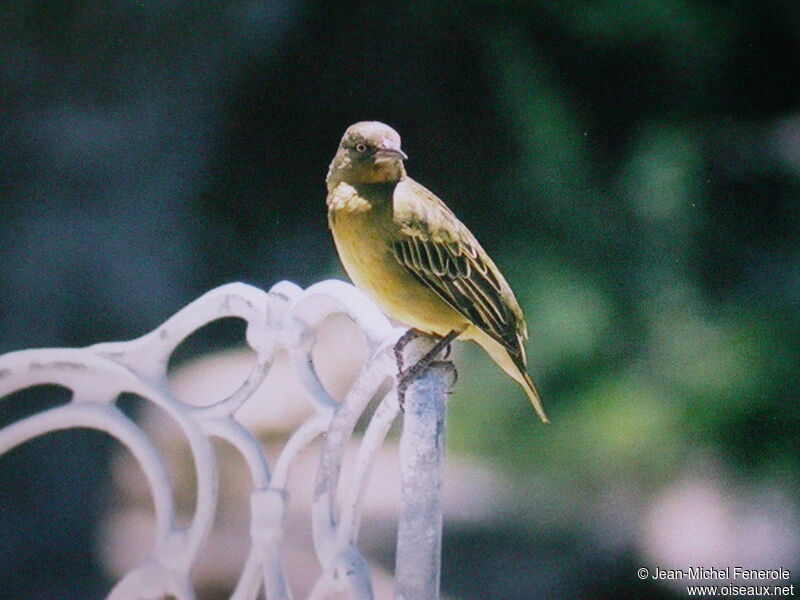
(632,167)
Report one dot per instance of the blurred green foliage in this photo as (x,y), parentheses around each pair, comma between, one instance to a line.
(657,330)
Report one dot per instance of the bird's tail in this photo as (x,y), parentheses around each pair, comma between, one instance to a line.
(525,380)
(514,368)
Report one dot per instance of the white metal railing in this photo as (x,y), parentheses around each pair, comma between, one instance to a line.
(288,318)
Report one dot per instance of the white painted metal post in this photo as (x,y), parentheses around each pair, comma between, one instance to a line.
(419,534)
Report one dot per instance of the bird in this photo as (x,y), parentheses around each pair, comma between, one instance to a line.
(406,250)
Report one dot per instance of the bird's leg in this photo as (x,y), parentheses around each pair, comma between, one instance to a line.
(408,376)
(400,345)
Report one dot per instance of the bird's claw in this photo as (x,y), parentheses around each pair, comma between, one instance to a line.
(401,344)
(409,376)
(449,369)
(447,350)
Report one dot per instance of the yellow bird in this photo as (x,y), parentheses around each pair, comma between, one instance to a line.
(404,248)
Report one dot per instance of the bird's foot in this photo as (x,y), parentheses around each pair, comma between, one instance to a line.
(406,377)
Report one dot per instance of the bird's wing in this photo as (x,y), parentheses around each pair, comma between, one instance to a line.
(443,254)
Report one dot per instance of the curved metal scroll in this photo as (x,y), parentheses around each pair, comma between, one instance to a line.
(286,317)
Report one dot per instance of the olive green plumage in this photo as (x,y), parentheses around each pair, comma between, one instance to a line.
(403,247)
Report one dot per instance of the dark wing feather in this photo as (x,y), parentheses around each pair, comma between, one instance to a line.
(444,255)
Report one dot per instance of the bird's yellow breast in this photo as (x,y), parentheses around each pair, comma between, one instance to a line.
(364,233)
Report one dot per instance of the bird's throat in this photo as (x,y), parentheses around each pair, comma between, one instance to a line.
(360,197)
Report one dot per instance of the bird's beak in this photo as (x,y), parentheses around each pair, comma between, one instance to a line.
(388,150)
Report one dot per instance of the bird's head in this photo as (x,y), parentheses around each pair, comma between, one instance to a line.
(368,153)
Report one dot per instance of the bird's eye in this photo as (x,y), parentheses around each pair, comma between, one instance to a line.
(361,148)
